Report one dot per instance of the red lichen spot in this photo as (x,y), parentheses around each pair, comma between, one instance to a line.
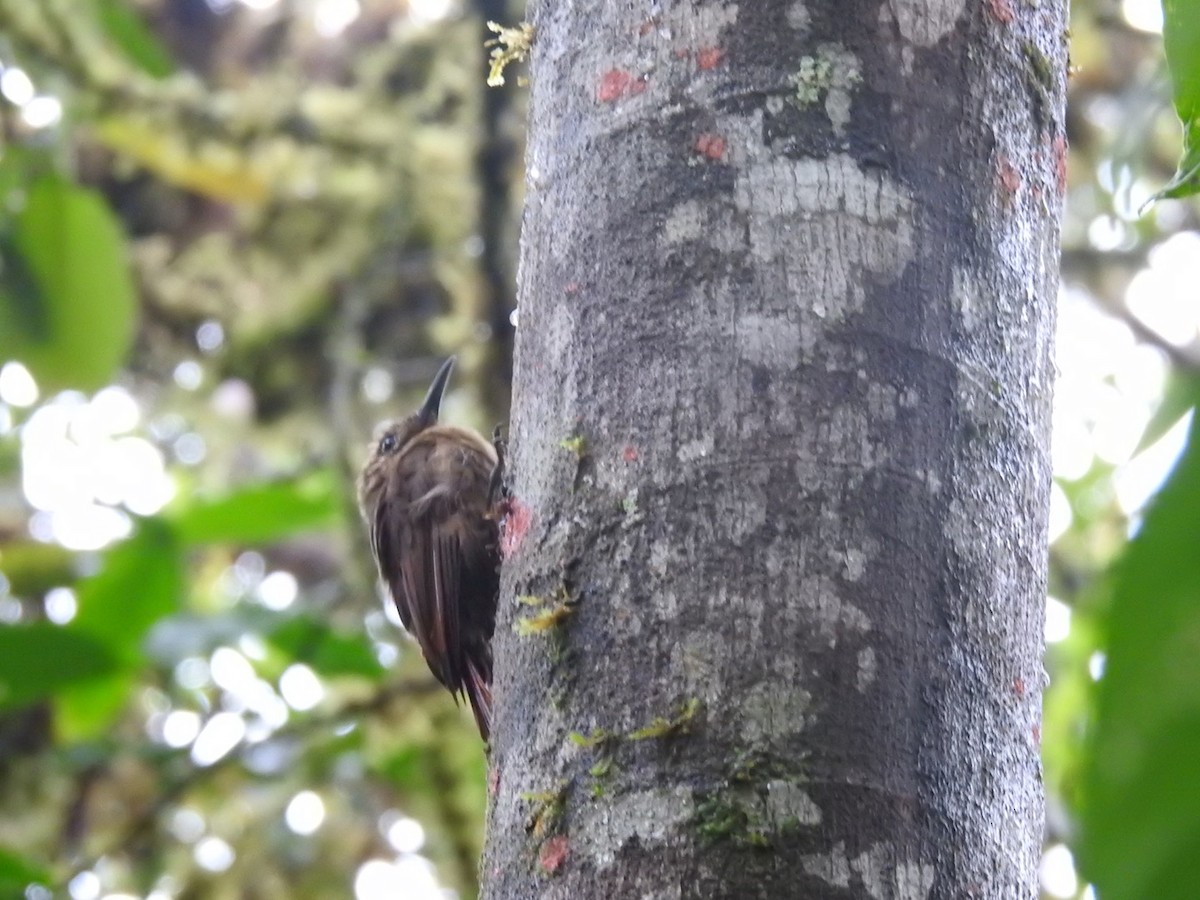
(709,57)
(682,52)
(514,526)
(553,853)
(638,85)
(1001,10)
(1037,734)
(572,288)
(647,26)
(1010,178)
(613,85)
(1019,687)
(493,781)
(1060,163)
(630,453)
(711,146)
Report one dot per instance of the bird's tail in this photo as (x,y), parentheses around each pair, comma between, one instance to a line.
(479,693)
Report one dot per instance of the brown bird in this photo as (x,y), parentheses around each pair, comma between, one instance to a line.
(427,493)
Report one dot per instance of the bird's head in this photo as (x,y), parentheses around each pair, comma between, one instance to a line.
(391,440)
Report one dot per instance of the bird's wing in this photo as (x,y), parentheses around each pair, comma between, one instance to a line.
(386,545)
(422,560)
(446,564)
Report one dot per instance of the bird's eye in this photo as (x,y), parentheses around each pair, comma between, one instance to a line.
(387,443)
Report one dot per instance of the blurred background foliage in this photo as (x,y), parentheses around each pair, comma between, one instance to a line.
(234,234)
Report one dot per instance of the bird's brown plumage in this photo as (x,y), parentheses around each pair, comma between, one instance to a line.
(426,494)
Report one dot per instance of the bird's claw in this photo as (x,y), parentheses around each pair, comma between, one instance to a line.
(497,490)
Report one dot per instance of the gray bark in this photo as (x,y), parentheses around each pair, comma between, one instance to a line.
(771,619)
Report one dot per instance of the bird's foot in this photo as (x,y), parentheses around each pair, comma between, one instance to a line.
(498,491)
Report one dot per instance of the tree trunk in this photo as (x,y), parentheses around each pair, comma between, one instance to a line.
(771,615)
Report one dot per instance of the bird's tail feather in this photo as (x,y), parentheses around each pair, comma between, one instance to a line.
(479,693)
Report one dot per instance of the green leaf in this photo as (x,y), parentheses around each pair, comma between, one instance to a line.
(16,872)
(263,512)
(17,167)
(1186,180)
(1142,783)
(67,303)
(23,309)
(328,652)
(127,30)
(141,581)
(32,568)
(40,659)
(86,710)
(1181,39)
(1179,396)
(405,768)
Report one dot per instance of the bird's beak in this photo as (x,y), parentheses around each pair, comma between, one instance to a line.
(428,413)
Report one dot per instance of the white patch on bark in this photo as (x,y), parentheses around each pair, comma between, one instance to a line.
(693,221)
(837,101)
(542,456)
(696,449)
(926,22)
(978,301)
(797,15)
(832,614)
(834,185)
(772,711)
(684,223)
(866,669)
(968,538)
(886,878)
(649,816)
(882,878)
(560,333)
(849,436)
(671,892)
(740,515)
(660,557)
(686,27)
(856,563)
(914,880)
(788,803)
(833,73)
(832,867)
(882,401)
(668,604)
(703,22)
(822,206)
(933,481)
(964,290)
(773,341)
(697,663)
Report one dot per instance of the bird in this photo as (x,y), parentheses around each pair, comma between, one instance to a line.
(428,495)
